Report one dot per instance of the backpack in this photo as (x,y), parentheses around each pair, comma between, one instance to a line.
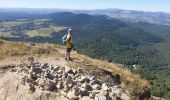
(64,39)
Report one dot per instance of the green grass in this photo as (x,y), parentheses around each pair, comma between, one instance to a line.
(44,32)
(7,31)
(12,23)
(57,28)
(7,34)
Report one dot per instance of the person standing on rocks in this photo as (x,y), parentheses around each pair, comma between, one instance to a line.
(69,44)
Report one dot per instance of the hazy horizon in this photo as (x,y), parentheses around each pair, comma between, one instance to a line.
(141,5)
(85,9)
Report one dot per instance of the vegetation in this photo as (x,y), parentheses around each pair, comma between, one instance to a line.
(20,49)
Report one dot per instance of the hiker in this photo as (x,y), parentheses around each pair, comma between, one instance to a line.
(68,44)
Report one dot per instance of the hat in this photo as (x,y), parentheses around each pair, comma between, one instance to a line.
(69,30)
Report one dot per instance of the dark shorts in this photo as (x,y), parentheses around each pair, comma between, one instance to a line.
(69,49)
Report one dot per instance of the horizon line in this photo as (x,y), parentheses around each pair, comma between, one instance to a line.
(91,9)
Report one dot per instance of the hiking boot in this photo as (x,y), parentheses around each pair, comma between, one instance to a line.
(70,59)
(65,59)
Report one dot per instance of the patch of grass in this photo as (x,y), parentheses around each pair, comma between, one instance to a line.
(12,23)
(19,49)
(44,32)
(57,28)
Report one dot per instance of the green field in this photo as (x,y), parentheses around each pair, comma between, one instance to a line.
(22,28)
(44,32)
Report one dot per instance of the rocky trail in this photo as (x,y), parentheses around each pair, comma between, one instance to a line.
(52,79)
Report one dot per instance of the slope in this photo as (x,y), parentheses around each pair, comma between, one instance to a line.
(15,53)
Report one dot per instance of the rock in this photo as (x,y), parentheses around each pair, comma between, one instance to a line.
(104,92)
(80,71)
(33,76)
(69,71)
(82,79)
(39,75)
(45,66)
(92,95)
(32,44)
(31,89)
(13,70)
(69,80)
(70,85)
(86,86)
(93,82)
(76,91)
(66,87)
(60,71)
(92,78)
(117,79)
(31,70)
(98,81)
(96,87)
(37,70)
(60,75)
(100,97)
(28,80)
(50,86)
(72,96)
(105,87)
(73,77)
(60,79)
(64,93)
(48,75)
(56,68)
(30,59)
(83,92)
(51,67)
(60,85)
(41,82)
(118,95)
(23,80)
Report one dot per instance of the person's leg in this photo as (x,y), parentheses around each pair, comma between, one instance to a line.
(66,55)
(69,54)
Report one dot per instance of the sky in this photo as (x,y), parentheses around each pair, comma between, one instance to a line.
(144,5)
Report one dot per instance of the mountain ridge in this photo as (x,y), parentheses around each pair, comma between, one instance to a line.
(53,54)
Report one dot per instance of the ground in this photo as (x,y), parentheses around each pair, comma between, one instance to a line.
(15,53)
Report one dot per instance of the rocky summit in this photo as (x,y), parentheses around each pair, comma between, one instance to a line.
(32,80)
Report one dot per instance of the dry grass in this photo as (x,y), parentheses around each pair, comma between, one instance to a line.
(130,81)
(19,49)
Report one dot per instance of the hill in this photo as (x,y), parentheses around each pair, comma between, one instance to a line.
(160,18)
(126,15)
(13,54)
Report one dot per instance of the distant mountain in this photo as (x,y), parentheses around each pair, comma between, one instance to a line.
(132,15)
(126,15)
(71,19)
